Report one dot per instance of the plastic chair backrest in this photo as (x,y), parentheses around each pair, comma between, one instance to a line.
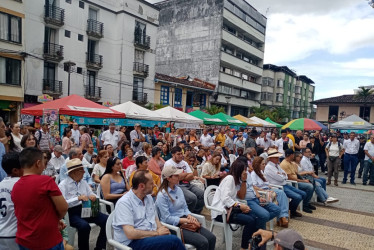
(108,226)
(209,195)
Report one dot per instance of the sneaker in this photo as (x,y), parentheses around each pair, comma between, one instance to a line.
(344,182)
(326,173)
(331,200)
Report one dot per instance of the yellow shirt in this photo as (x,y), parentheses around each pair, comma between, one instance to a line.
(289,167)
(156,180)
(221,138)
(293,140)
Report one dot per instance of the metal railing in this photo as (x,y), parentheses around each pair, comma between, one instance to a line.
(94,60)
(54,15)
(139,97)
(53,87)
(53,51)
(143,41)
(92,92)
(95,28)
(141,69)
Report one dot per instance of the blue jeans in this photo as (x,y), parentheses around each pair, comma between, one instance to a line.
(322,161)
(282,202)
(83,227)
(167,242)
(308,188)
(321,181)
(59,246)
(295,195)
(350,164)
(361,169)
(263,213)
(368,169)
(321,193)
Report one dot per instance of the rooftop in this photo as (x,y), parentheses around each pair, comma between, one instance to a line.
(185,80)
(345,99)
(289,71)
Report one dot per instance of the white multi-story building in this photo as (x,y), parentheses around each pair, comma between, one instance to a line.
(12,44)
(107,45)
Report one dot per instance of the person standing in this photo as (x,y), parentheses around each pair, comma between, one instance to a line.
(17,136)
(75,134)
(111,136)
(283,143)
(334,151)
(205,139)
(369,162)
(85,139)
(44,138)
(361,156)
(291,137)
(298,138)
(2,148)
(351,148)
(137,138)
(66,142)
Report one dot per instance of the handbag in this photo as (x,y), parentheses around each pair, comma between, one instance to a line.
(230,213)
(333,158)
(193,227)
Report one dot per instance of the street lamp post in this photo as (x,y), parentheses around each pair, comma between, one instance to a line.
(228,99)
(68,67)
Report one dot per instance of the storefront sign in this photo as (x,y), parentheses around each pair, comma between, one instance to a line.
(67,119)
(45,98)
(186,125)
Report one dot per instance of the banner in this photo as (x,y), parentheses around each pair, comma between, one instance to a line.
(50,116)
(67,119)
(187,125)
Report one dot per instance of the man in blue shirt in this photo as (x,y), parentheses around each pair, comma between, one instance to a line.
(135,221)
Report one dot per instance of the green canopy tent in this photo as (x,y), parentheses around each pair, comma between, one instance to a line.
(276,124)
(230,120)
(207,118)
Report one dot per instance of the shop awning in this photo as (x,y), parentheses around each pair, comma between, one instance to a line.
(248,121)
(207,118)
(230,120)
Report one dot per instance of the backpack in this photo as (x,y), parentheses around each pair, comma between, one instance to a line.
(340,146)
(39,137)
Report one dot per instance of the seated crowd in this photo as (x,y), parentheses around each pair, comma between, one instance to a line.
(152,179)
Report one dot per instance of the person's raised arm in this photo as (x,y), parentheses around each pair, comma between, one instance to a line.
(243,186)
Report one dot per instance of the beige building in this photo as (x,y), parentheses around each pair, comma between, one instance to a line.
(183,93)
(12,44)
(339,107)
(281,87)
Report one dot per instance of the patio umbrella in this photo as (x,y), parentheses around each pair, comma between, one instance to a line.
(273,122)
(304,124)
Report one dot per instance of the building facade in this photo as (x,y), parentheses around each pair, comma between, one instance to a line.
(336,108)
(183,93)
(281,87)
(221,42)
(99,49)
(12,64)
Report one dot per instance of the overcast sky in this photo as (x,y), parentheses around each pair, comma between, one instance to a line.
(330,41)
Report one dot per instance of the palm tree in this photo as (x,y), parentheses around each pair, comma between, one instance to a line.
(364,95)
(212,110)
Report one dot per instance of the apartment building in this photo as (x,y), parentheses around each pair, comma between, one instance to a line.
(221,42)
(12,45)
(282,87)
(100,49)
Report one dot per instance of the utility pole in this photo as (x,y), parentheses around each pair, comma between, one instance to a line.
(68,67)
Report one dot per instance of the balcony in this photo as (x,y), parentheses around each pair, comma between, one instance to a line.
(241,64)
(95,29)
(141,70)
(52,87)
(92,93)
(94,61)
(54,15)
(140,98)
(53,52)
(142,42)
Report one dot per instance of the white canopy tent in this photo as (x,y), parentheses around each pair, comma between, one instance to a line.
(263,122)
(352,122)
(175,115)
(134,111)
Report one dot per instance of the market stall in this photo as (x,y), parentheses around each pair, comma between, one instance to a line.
(248,121)
(234,123)
(263,122)
(180,119)
(352,122)
(207,118)
(273,122)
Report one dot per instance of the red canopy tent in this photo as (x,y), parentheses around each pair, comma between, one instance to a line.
(74,105)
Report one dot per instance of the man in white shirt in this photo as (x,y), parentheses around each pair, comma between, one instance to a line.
(8,220)
(75,191)
(265,143)
(57,159)
(205,139)
(193,194)
(369,162)
(137,138)
(90,152)
(283,143)
(76,134)
(351,148)
(111,136)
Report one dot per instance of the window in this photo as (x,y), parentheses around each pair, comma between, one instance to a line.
(137,92)
(202,100)
(279,98)
(10,71)
(297,89)
(265,96)
(245,77)
(81,4)
(79,70)
(235,92)
(365,113)
(224,89)
(280,83)
(67,33)
(189,99)
(49,71)
(178,98)
(267,81)
(68,1)
(10,28)
(80,37)
(236,73)
(164,95)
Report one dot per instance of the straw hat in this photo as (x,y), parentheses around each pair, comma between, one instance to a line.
(74,164)
(274,153)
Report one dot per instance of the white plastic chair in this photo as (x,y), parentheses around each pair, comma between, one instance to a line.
(109,234)
(227,232)
(73,230)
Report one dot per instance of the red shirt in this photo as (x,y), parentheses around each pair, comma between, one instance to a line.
(126,162)
(37,219)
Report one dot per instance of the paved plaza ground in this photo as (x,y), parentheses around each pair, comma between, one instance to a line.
(348,224)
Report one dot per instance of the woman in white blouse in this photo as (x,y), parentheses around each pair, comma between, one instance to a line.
(17,137)
(100,167)
(334,151)
(260,182)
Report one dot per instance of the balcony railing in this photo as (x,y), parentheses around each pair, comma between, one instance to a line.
(141,69)
(142,41)
(92,92)
(94,61)
(54,15)
(53,51)
(95,28)
(52,87)
(139,97)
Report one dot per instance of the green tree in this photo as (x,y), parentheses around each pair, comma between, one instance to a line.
(152,106)
(277,114)
(212,110)
(363,95)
